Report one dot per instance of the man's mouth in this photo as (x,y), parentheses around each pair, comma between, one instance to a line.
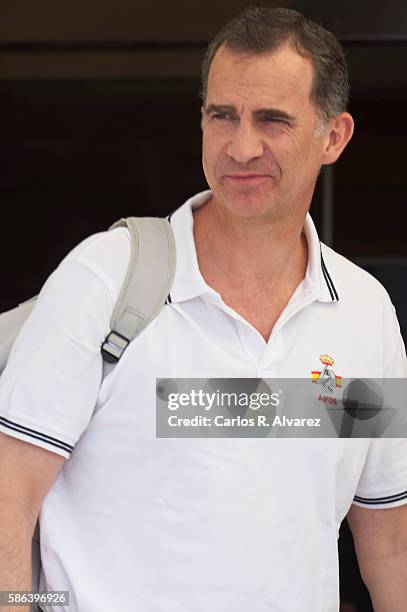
(246,177)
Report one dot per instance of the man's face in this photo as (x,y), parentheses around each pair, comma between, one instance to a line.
(260,154)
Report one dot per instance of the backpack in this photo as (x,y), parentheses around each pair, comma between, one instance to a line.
(144,292)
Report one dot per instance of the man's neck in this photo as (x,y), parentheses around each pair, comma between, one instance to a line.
(249,250)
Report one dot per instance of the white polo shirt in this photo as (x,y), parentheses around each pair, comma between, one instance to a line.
(136,522)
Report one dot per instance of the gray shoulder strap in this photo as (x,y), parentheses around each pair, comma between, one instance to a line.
(147,283)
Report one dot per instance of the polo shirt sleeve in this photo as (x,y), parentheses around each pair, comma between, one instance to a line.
(383,483)
(50,385)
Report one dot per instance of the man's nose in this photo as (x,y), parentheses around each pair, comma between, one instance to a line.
(245,144)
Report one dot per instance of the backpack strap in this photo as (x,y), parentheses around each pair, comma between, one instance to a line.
(147,283)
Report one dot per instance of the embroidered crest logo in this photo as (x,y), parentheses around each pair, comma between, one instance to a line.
(326,377)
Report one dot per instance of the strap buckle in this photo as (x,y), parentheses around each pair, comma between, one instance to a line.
(113,347)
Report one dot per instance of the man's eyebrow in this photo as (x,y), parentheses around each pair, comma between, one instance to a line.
(261,113)
(220,108)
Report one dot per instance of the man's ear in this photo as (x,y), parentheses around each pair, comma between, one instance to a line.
(338,134)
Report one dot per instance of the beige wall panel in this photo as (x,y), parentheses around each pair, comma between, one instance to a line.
(120,20)
(118,65)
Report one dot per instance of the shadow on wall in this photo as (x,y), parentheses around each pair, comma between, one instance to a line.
(393,278)
(348,607)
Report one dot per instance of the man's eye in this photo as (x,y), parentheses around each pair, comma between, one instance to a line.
(273,120)
(224,116)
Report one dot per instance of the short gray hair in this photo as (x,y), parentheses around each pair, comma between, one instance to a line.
(260,30)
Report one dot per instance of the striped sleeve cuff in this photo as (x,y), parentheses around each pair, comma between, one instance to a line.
(27,434)
(386,501)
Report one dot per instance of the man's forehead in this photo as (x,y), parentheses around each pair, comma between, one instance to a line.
(283,74)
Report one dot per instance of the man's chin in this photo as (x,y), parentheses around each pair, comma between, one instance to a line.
(248,203)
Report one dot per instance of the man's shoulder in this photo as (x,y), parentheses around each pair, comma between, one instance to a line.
(350,279)
(102,246)
(106,254)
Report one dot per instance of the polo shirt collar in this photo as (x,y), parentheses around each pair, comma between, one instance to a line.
(317,274)
(188,281)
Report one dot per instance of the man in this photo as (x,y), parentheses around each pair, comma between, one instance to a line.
(135,522)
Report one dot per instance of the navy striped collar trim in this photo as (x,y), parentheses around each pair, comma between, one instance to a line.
(169,299)
(328,280)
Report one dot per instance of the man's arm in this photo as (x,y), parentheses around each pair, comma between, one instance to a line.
(26,475)
(380,537)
